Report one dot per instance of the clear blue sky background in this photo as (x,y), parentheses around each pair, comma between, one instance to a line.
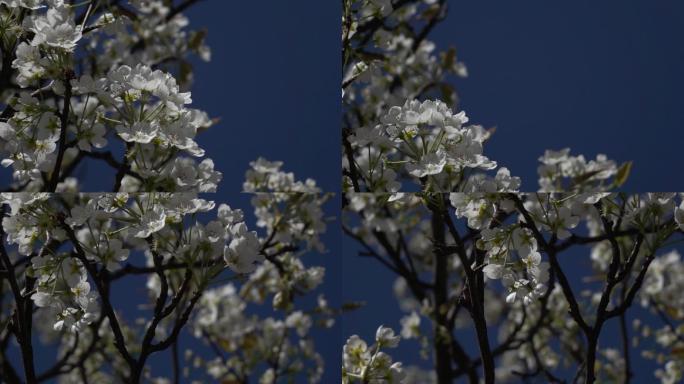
(274,81)
(595,76)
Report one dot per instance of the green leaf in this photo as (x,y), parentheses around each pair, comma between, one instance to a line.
(448,94)
(449,58)
(352,305)
(185,72)
(623,174)
(197,39)
(431,12)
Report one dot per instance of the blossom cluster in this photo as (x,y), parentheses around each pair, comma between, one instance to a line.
(115,95)
(103,230)
(285,206)
(429,143)
(559,171)
(662,293)
(512,237)
(394,126)
(109,82)
(385,65)
(282,341)
(290,212)
(369,364)
(499,245)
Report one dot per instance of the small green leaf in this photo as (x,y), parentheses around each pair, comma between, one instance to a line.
(197,39)
(431,12)
(352,305)
(623,173)
(449,58)
(448,94)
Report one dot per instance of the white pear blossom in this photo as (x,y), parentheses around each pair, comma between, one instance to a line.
(410,326)
(430,164)
(138,132)
(385,337)
(243,253)
(679,216)
(55,29)
(126,91)
(152,220)
(370,364)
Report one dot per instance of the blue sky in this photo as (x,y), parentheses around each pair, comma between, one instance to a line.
(595,76)
(274,81)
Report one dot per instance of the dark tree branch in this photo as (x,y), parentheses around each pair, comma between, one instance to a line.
(160,313)
(108,158)
(474,284)
(124,168)
(21,323)
(175,363)
(130,269)
(624,337)
(119,341)
(555,265)
(631,294)
(349,153)
(64,125)
(442,335)
(58,366)
(180,323)
(180,8)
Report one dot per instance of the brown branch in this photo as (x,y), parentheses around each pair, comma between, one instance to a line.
(107,157)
